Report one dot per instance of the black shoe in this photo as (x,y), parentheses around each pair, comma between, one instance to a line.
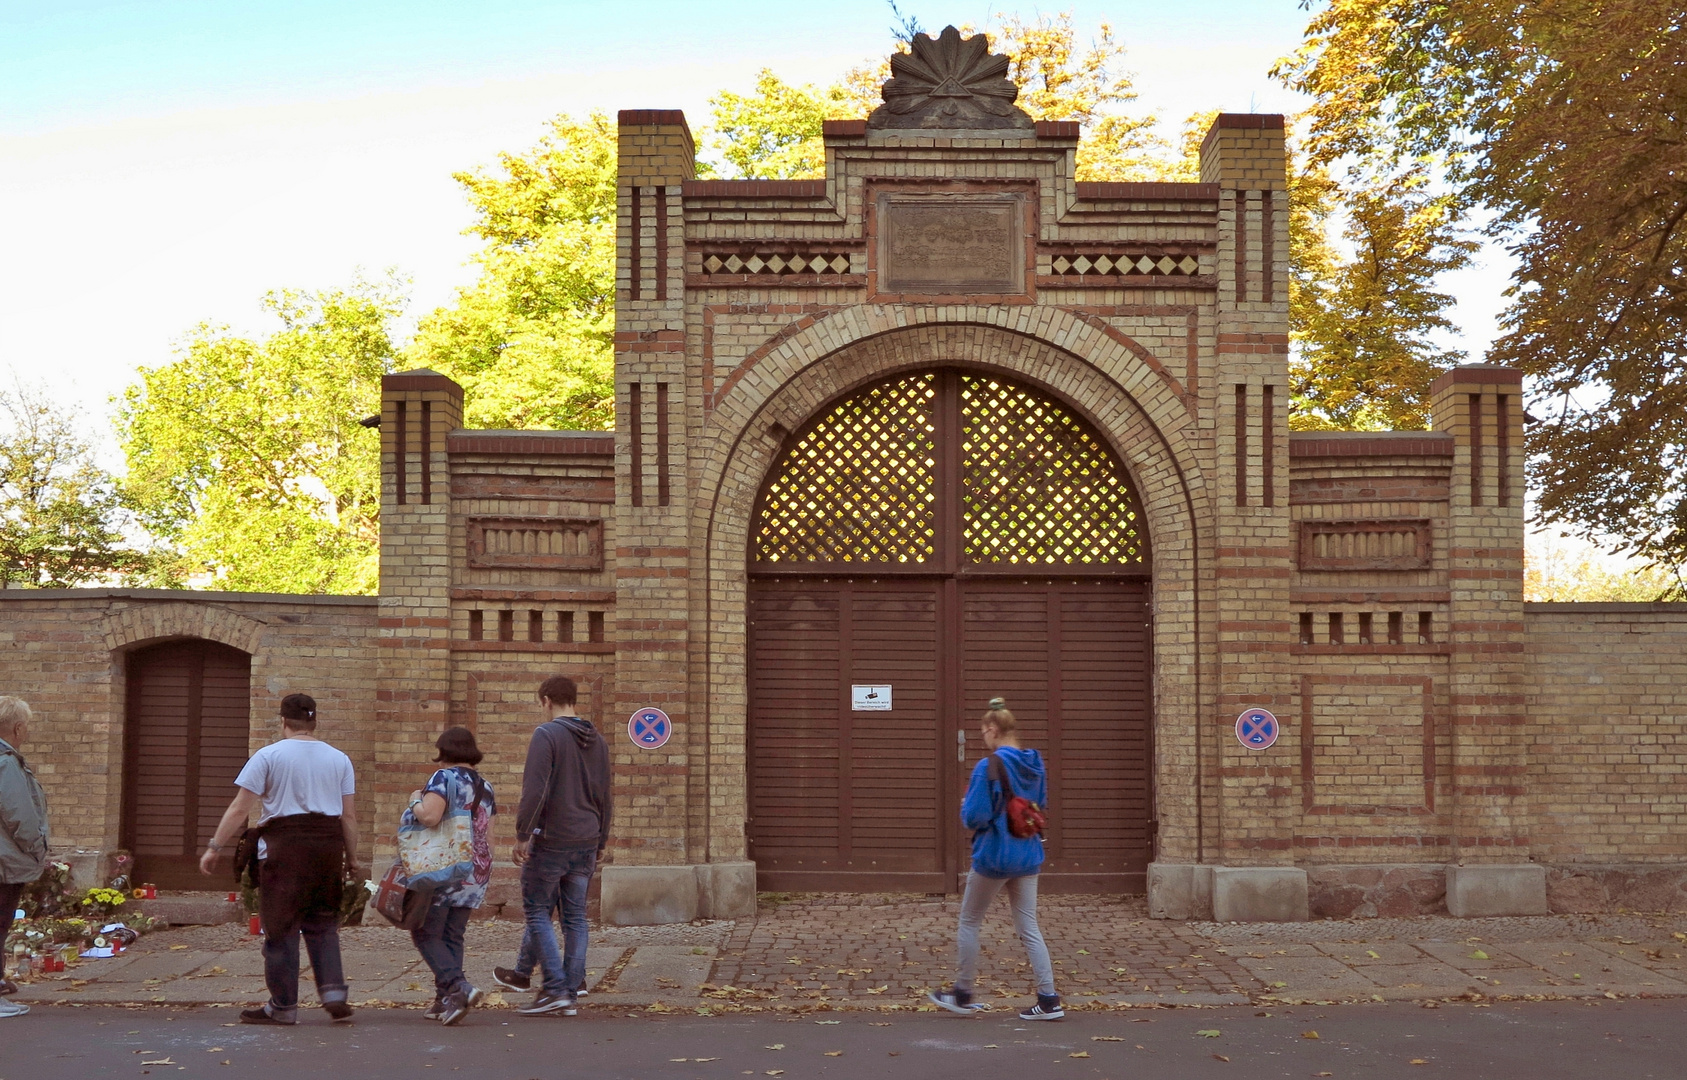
(511,979)
(261,1015)
(455,1008)
(1046,1008)
(436,1010)
(544,1003)
(340,1011)
(7,987)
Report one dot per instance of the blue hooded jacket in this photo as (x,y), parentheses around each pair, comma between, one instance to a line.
(995,851)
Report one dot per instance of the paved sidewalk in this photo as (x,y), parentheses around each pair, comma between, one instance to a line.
(882,952)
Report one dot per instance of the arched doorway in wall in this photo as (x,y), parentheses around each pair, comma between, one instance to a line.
(932,541)
(186,737)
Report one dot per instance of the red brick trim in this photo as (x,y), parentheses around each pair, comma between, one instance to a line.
(598,648)
(420,380)
(1481,374)
(532,443)
(575,596)
(843,129)
(1145,191)
(1055,129)
(1308,444)
(754,189)
(1242,122)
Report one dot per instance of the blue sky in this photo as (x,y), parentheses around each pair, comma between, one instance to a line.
(166,163)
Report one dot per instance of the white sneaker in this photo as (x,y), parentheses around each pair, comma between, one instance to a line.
(11,1008)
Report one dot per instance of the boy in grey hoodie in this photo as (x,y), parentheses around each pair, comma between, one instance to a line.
(563,828)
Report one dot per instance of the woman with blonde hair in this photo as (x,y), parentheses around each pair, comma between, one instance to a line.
(23,830)
(1004,805)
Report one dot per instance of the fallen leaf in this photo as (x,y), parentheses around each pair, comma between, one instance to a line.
(1478,955)
(1083,952)
(1079,1054)
(879,1024)
(896,1053)
(828,1021)
(226,1061)
(1324,1074)
(775,1072)
(1221,1057)
(160,1061)
(834,1053)
(1418,1061)
(1309,1034)
(991,1046)
(1208,1033)
(173,948)
(679,1059)
(1139,1046)
(1106,1038)
(775,1046)
(1278,985)
(1373,954)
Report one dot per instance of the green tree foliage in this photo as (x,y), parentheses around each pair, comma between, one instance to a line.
(774,133)
(1565,119)
(532,340)
(1363,321)
(60,516)
(247,456)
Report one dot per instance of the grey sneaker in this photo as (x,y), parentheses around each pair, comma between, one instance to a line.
(544,1003)
(436,1010)
(455,1007)
(956,1001)
(11,1008)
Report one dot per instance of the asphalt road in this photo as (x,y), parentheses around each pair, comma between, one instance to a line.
(1630,1039)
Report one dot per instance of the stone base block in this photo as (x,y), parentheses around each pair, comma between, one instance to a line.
(1624,887)
(1180,891)
(1508,889)
(726,890)
(1259,894)
(1397,890)
(650,895)
(188,909)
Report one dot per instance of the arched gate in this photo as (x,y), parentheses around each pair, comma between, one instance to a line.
(952,536)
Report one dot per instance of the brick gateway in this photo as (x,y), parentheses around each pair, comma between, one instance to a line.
(1445,746)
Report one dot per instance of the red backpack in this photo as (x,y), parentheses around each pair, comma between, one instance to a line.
(1025,818)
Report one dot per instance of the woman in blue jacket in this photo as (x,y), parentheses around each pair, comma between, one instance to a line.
(1001,859)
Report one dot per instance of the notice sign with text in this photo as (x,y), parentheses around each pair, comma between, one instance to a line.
(869,699)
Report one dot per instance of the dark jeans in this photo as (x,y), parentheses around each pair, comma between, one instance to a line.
(10,894)
(440,941)
(299,893)
(550,874)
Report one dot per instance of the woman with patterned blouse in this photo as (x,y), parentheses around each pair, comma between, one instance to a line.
(455,788)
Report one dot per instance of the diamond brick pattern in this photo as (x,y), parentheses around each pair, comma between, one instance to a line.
(1036,486)
(861,485)
(776,263)
(1118,264)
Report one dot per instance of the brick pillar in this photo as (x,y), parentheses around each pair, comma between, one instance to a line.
(1258,803)
(1482,408)
(652,548)
(413,669)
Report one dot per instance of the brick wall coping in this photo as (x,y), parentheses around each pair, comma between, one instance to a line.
(1476,373)
(206,596)
(754,189)
(1653,607)
(517,441)
(1152,189)
(1370,444)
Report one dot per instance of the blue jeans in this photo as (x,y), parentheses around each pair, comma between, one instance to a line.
(440,941)
(548,874)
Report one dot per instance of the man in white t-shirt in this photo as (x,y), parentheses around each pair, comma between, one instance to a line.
(303,788)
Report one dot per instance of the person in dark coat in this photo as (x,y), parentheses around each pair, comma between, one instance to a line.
(23,830)
(562,828)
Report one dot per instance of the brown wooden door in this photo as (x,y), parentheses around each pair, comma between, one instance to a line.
(840,798)
(957,537)
(1070,657)
(189,709)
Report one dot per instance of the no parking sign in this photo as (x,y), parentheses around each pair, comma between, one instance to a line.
(649,728)
(1257,729)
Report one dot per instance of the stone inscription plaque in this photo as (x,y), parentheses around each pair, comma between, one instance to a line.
(937,244)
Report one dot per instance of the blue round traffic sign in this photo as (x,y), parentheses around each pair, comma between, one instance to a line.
(649,728)
(1257,729)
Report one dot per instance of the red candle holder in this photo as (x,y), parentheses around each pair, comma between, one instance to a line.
(254,926)
(233,898)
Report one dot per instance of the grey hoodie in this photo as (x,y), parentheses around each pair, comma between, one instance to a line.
(23,820)
(565,789)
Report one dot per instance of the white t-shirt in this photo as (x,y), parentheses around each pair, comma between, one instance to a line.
(297,776)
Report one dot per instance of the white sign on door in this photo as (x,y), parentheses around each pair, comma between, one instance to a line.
(869,699)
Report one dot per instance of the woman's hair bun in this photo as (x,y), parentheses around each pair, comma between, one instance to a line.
(998,703)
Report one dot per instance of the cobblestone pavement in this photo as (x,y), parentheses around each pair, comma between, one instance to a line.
(884,951)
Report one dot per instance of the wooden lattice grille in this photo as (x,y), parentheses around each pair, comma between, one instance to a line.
(941,468)
(1036,486)
(861,485)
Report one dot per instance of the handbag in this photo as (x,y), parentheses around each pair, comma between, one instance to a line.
(404,906)
(246,856)
(439,856)
(1025,818)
